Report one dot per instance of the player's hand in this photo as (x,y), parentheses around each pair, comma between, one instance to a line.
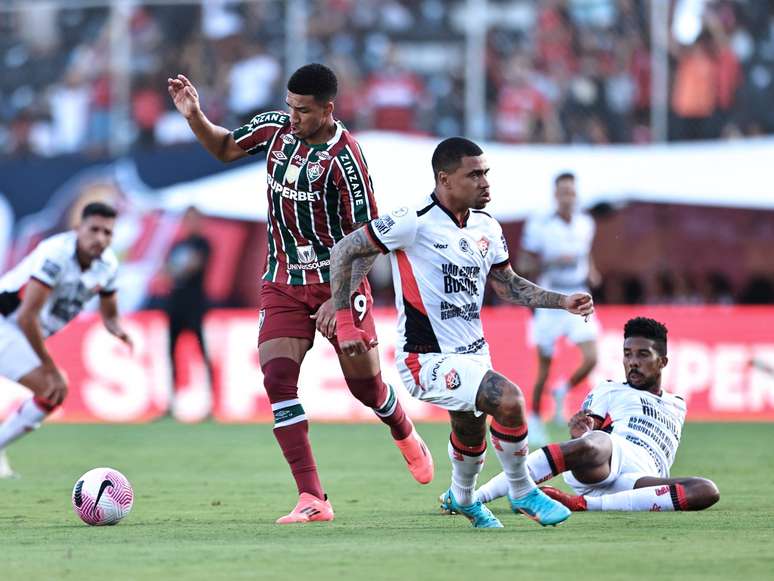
(580,423)
(184,95)
(325,319)
(56,387)
(579,304)
(125,338)
(351,339)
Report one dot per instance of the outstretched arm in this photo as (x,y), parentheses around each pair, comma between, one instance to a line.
(215,139)
(512,288)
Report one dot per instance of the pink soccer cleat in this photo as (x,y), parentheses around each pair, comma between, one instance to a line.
(309,509)
(418,457)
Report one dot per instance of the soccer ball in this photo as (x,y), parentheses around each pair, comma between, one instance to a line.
(102,496)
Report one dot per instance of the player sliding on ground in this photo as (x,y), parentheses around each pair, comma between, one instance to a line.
(319,190)
(442,255)
(625,440)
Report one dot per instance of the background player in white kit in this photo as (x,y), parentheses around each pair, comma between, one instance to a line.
(556,250)
(442,255)
(38,297)
(625,440)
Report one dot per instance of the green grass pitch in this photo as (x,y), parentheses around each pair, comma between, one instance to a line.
(206,497)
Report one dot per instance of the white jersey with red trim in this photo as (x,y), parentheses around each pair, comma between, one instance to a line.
(439,270)
(650,421)
(551,238)
(54,263)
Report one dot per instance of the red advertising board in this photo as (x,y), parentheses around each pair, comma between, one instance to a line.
(711,355)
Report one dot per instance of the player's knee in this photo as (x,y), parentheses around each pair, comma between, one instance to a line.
(369,392)
(702,493)
(592,449)
(512,406)
(280,378)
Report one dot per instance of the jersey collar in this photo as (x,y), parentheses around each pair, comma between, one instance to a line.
(449,213)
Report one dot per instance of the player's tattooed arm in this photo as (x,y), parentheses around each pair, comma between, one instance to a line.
(351,259)
(512,288)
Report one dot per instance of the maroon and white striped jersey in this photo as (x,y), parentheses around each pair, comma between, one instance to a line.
(317,195)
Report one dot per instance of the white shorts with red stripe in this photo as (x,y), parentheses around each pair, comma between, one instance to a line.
(448,380)
(628,463)
(17,357)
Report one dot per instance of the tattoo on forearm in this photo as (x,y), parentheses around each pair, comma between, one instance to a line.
(515,289)
(361,266)
(351,259)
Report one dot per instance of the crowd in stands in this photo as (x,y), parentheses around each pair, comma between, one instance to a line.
(557,71)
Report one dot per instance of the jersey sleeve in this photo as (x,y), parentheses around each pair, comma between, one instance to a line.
(531,239)
(110,286)
(598,401)
(353,182)
(500,255)
(111,265)
(256,135)
(395,230)
(48,264)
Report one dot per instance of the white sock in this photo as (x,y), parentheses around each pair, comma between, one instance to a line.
(539,467)
(511,447)
(561,389)
(465,471)
(497,487)
(23,420)
(650,498)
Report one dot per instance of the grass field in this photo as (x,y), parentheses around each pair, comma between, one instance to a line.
(206,497)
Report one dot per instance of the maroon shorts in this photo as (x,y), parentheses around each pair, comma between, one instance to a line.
(286,309)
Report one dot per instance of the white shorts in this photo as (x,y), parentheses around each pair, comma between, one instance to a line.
(548,325)
(445,379)
(628,464)
(17,357)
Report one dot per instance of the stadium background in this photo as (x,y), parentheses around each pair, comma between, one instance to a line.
(661,108)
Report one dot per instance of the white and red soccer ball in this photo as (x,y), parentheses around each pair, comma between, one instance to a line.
(102,496)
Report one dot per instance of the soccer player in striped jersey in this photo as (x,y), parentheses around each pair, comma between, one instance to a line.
(319,191)
(443,253)
(625,439)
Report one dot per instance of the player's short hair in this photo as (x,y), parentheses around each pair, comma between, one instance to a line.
(648,329)
(98,209)
(448,154)
(565,175)
(316,80)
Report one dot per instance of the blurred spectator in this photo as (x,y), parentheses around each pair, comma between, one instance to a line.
(393,97)
(523,113)
(558,71)
(252,81)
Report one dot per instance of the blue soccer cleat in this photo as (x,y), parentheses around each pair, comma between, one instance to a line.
(477,513)
(540,508)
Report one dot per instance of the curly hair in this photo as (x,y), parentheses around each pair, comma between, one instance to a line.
(648,329)
(316,80)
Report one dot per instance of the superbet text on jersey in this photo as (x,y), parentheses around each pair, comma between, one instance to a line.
(439,269)
(317,195)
